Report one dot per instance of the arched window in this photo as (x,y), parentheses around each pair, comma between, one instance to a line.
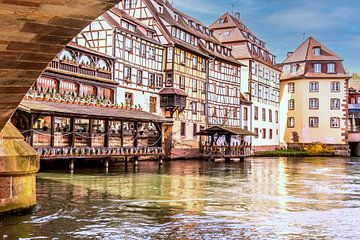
(103,65)
(85,60)
(66,55)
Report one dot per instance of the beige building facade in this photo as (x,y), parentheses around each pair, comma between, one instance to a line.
(313,97)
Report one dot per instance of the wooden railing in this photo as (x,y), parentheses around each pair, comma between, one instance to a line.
(97,152)
(225,151)
(77,69)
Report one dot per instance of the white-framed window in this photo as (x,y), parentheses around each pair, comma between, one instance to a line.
(293,68)
(291,104)
(317,67)
(151,53)
(151,82)
(317,51)
(161,9)
(182,57)
(331,68)
(313,103)
(169,55)
(314,86)
(335,104)
(142,50)
(182,82)
(335,122)
(335,86)
(194,85)
(128,44)
(195,62)
(159,81)
(291,87)
(139,77)
(291,122)
(313,122)
(194,107)
(127,73)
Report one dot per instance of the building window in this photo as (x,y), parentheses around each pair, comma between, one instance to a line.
(159,82)
(293,68)
(314,86)
(151,82)
(194,107)
(202,108)
(263,131)
(291,104)
(127,74)
(291,122)
(169,80)
(194,130)
(151,53)
(129,99)
(245,114)
(142,50)
(313,103)
(169,55)
(161,9)
(153,101)
(182,129)
(313,122)
(203,87)
(331,68)
(128,44)
(335,86)
(182,82)
(256,131)
(317,68)
(194,85)
(256,113)
(139,77)
(291,87)
(276,116)
(335,104)
(317,51)
(263,114)
(270,115)
(334,122)
(270,133)
(129,4)
(195,62)
(182,57)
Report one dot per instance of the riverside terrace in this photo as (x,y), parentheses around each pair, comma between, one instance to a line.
(72,131)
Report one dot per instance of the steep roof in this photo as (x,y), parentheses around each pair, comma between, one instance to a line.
(230,31)
(305,52)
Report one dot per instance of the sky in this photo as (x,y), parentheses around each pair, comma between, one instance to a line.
(284,24)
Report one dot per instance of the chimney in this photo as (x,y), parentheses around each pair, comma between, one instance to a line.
(237,15)
(289,54)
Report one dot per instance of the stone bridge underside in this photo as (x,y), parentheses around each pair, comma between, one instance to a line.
(32,32)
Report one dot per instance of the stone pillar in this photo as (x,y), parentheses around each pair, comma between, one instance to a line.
(19,164)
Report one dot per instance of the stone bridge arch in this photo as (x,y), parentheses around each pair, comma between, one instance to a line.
(32,32)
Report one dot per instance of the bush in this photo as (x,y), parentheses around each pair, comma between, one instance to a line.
(318,148)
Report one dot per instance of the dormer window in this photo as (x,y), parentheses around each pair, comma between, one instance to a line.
(176,17)
(331,68)
(161,9)
(221,21)
(317,51)
(293,68)
(317,68)
(226,33)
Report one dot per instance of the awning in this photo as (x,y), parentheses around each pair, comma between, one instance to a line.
(220,130)
(63,109)
(172,91)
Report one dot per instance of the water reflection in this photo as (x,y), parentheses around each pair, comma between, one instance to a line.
(311,198)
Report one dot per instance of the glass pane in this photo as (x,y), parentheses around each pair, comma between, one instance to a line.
(115,134)
(42,131)
(62,132)
(128,129)
(98,131)
(81,132)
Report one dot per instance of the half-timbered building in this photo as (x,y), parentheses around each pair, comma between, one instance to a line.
(202,81)
(260,80)
(71,112)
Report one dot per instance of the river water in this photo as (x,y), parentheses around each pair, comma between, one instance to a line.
(267,198)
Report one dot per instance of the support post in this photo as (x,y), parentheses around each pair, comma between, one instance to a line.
(52,131)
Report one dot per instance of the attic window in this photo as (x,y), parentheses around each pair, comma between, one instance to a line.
(161,9)
(176,17)
(317,51)
(221,21)
(226,33)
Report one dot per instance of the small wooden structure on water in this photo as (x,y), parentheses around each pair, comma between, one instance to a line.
(227,151)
